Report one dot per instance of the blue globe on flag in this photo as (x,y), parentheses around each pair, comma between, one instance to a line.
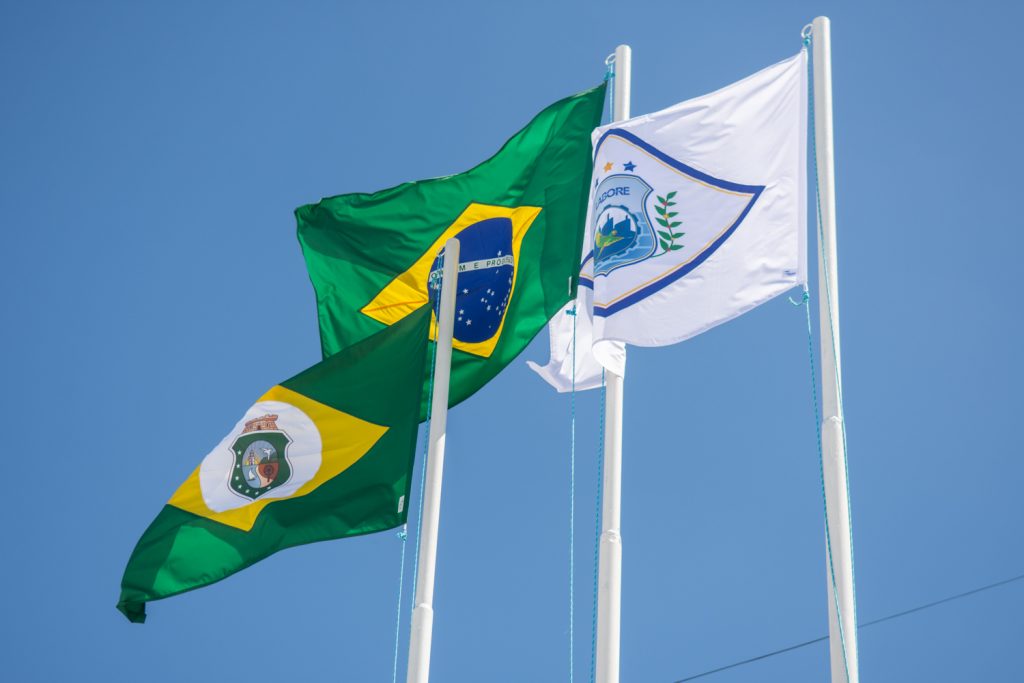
(486,274)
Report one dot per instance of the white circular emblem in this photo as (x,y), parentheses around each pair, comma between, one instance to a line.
(273,450)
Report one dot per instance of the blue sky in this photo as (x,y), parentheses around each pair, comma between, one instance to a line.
(150,159)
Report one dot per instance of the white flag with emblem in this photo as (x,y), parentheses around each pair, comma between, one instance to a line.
(698,213)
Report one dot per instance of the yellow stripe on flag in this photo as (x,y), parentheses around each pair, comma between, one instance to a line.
(408,292)
(345,439)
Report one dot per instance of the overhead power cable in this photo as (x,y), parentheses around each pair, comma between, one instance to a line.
(895,615)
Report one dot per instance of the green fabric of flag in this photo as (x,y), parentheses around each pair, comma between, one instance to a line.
(519,217)
(326,454)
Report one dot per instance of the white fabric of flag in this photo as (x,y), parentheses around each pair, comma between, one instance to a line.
(697,214)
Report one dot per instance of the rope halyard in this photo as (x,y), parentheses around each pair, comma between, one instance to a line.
(402,535)
(807,36)
(597,531)
(609,76)
(805,302)
(572,500)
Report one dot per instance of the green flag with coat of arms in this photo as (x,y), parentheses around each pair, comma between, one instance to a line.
(326,454)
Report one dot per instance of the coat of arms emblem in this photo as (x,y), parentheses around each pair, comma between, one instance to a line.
(261,464)
(622,229)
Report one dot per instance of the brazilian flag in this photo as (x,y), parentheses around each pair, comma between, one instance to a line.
(326,454)
(519,217)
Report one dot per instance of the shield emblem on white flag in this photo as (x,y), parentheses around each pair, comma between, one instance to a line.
(698,213)
(653,219)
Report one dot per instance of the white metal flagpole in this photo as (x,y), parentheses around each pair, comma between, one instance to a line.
(839,542)
(423,613)
(609,581)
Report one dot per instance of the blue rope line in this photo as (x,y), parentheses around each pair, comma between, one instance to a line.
(572,501)
(805,302)
(839,387)
(817,411)
(609,76)
(597,532)
(839,375)
(842,428)
(403,535)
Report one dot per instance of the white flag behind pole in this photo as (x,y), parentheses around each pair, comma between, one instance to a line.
(591,359)
(697,214)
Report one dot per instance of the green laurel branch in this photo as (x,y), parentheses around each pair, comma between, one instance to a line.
(667,238)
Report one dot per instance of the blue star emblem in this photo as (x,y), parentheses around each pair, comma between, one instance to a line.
(629,166)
